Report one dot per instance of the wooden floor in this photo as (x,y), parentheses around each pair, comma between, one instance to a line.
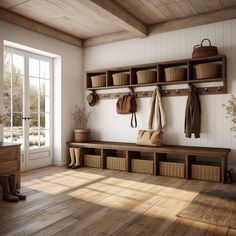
(91,201)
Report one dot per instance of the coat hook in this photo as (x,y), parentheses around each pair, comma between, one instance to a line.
(117,95)
(166,91)
(206,89)
(219,88)
(177,91)
(131,89)
(144,93)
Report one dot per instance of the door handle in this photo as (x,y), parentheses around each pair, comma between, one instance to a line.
(24,118)
(29,118)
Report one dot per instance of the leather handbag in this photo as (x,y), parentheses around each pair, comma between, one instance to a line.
(204,51)
(149,138)
(127,105)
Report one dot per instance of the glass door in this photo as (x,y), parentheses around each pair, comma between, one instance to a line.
(27,106)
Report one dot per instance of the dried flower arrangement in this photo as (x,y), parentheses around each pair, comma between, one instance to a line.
(231,111)
(81,117)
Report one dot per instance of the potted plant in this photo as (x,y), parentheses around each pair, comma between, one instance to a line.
(81,117)
(231,113)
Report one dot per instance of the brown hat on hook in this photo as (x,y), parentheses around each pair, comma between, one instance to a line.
(92,99)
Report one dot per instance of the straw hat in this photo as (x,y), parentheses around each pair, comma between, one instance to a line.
(92,99)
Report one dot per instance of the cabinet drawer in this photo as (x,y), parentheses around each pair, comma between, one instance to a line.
(9,153)
(8,167)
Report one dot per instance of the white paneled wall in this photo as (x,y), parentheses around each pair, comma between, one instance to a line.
(107,125)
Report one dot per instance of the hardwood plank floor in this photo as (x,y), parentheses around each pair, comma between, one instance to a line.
(92,201)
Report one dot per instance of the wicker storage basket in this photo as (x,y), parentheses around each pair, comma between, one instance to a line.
(206,172)
(175,74)
(207,71)
(98,81)
(92,160)
(142,166)
(172,169)
(116,163)
(146,76)
(120,79)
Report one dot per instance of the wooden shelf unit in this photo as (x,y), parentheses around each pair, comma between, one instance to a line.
(131,151)
(189,64)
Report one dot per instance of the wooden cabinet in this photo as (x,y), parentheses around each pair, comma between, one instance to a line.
(10,160)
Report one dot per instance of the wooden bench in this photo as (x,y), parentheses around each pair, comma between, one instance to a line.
(158,154)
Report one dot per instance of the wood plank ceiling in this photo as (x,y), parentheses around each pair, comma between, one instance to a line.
(92,22)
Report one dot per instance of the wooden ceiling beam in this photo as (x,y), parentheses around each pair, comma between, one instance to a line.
(191,21)
(108,38)
(118,15)
(202,19)
(33,25)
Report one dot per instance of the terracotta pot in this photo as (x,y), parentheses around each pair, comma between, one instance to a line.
(82,135)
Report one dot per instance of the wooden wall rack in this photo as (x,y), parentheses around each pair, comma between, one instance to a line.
(160,78)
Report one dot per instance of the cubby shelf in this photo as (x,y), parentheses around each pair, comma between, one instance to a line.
(189,64)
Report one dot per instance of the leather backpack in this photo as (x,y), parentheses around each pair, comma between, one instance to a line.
(127,105)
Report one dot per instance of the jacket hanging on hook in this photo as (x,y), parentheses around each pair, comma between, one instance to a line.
(193,113)
(157,116)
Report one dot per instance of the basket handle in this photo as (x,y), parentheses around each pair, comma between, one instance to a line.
(206,40)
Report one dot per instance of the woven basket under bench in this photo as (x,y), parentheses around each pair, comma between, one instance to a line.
(92,160)
(175,169)
(116,163)
(206,172)
(142,166)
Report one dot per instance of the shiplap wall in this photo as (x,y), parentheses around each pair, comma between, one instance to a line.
(215,129)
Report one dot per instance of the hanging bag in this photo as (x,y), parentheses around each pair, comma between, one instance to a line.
(127,105)
(156,123)
(204,51)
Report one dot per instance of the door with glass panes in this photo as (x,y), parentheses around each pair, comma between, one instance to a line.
(27,106)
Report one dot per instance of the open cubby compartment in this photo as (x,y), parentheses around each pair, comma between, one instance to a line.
(172,165)
(172,64)
(115,159)
(135,69)
(94,73)
(203,169)
(110,73)
(221,73)
(92,157)
(142,162)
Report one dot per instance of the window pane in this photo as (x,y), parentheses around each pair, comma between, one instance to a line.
(33,94)
(42,103)
(33,67)
(34,120)
(44,87)
(44,120)
(7,134)
(17,83)
(6,102)
(17,103)
(18,64)
(17,136)
(7,62)
(34,138)
(7,120)
(7,82)
(47,104)
(17,120)
(44,138)
(44,69)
